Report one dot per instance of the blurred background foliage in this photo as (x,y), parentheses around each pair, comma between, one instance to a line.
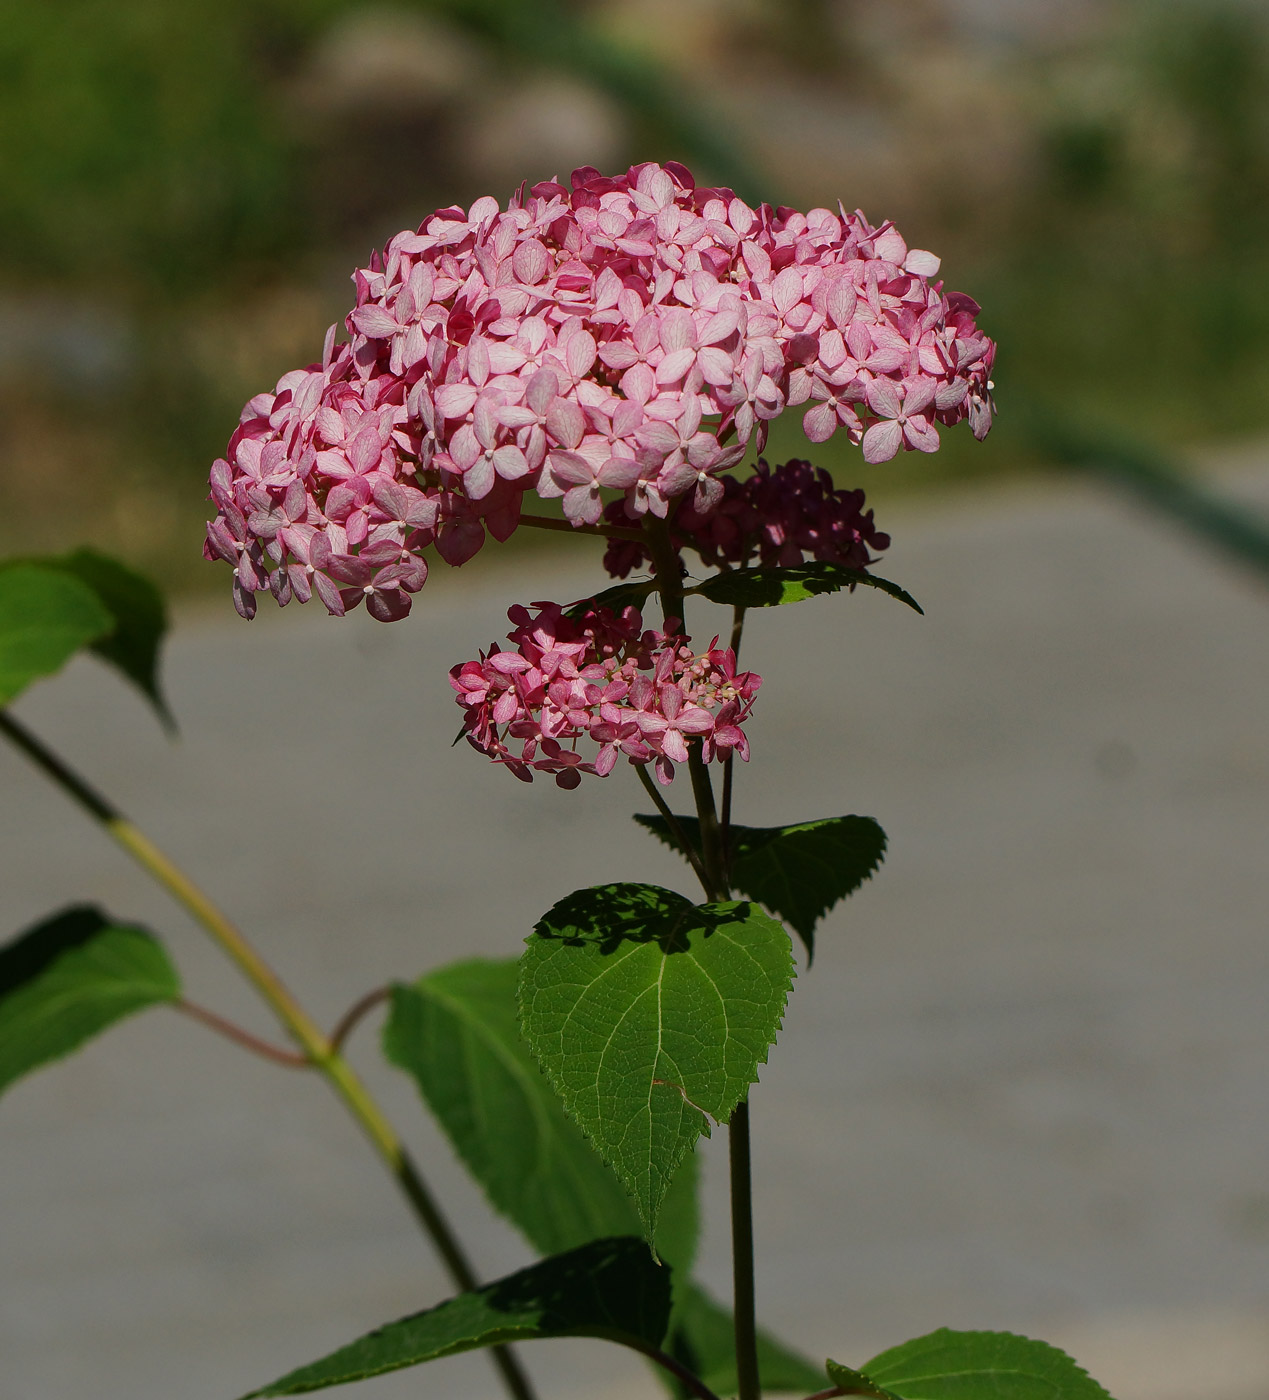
(184,190)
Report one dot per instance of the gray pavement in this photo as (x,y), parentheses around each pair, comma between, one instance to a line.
(1026,1084)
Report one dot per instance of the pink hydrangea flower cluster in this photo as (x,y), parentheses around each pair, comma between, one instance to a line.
(597,676)
(631,333)
(778,516)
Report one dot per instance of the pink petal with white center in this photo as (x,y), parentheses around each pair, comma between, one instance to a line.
(918,395)
(454,400)
(717,366)
(882,396)
(882,441)
(820,422)
(619,472)
(464,448)
(566,423)
(582,505)
(922,263)
(479,478)
(675,365)
(510,463)
(374,322)
(920,433)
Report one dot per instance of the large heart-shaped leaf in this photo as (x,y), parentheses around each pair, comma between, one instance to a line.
(703,1337)
(768,587)
(457,1032)
(68,979)
(650,1016)
(947,1365)
(799,872)
(609,1289)
(46,616)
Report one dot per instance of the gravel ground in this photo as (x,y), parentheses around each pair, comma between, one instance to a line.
(1023,1087)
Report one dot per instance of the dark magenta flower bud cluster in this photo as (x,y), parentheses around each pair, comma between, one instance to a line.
(777,517)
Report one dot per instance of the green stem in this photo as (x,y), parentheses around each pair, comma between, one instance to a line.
(676,828)
(607,532)
(665,564)
(748,1382)
(303,1030)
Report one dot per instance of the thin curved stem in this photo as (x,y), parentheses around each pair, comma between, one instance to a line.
(676,828)
(302,1028)
(689,1380)
(356,1013)
(241,1036)
(607,532)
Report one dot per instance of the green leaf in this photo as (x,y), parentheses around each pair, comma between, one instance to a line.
(619,596)
(650,1016)
(138,616)
(140,620)
(69,978)
(702,1336)
(609,1289)
(947,1365)
(45,617)
(799,872)
(456,1031)
(763,587)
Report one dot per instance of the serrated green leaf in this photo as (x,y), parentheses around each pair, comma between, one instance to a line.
(763,587)
(650,1016)
(799,872)
(71,977)
(947,1365)
(136,609)
(856,1383)
(702,1336)
(620,595)
(46,616)
(609,1289)
(457,1032)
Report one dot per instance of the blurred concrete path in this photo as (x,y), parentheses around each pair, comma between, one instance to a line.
(1025,1086)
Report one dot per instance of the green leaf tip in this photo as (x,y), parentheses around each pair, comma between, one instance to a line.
(608,1289)
(650,1016)
(948,1365)
(122,615)
(767,587)
(71,977)
(621,595)
(798,872)
(456,1032)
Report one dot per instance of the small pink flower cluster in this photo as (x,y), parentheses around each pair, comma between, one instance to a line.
(777,516)
(598,676)
(631,333)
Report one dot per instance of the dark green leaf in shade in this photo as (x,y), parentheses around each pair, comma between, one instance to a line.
(947,1365)
(140,620)
(650,1016)
(763,587)
(45,618)
(702,1336)
(799,872)
(610,1289)
(457,1032)
(619,596)
(138,616)
(68,979)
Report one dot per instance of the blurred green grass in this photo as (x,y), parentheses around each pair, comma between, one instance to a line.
(179,212)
